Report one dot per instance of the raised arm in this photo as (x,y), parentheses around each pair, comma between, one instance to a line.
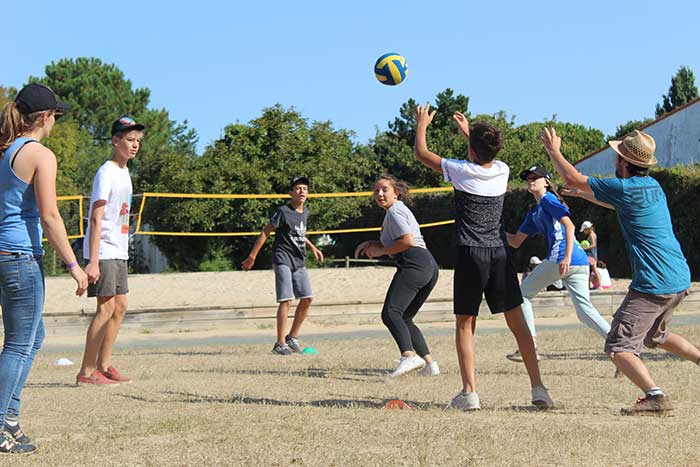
(590,197)
(571,176)
(423,118)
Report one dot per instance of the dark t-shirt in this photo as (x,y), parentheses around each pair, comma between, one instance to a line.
(479,195)
(289,247)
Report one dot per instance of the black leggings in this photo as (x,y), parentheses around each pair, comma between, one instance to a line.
(415,278)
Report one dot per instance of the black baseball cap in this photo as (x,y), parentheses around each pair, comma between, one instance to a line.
(297,180)
(37,97)
(126,123)
(536,170)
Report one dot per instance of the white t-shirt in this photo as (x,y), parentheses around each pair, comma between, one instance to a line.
(113,185)
(475,179)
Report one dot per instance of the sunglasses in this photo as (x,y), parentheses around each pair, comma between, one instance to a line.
(57,115)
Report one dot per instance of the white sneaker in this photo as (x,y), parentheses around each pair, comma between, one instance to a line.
(541,399)
(430,369)
(407,365)
(465,401)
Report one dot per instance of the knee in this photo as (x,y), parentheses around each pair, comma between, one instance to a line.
(306,301)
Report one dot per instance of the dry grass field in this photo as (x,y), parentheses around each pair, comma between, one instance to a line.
(214,405)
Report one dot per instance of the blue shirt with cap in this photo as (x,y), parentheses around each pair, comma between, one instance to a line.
(658,264)
(544,219)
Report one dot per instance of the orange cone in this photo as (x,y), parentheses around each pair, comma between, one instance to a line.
(397,404)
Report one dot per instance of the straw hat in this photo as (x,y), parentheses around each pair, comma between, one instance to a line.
(636,148)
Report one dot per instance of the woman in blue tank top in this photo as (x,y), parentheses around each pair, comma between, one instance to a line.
(28,210)
(566,259)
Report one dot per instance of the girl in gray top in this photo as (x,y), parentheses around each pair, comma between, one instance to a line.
(416,275)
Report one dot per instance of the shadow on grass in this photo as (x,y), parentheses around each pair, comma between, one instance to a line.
(50,385)
(351,374)
(649,357)
(370,403)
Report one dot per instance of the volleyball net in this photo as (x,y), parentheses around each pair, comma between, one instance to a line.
(243,215)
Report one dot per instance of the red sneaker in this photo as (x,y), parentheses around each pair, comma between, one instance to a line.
(114,375)
(97,378)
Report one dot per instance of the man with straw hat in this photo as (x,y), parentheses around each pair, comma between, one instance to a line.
(661,276)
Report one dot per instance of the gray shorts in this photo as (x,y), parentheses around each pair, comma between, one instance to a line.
(642,320)
(291,284)
(113,279)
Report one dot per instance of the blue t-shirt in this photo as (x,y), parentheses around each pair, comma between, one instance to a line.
(658,264)
(544,219)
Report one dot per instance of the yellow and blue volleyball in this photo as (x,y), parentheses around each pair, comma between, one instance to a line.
(390,69)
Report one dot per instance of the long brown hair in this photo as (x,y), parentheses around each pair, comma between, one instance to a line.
(399,186)
(14,124)
(554,191)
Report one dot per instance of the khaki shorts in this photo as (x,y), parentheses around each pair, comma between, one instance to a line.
(641,321)
(113,279)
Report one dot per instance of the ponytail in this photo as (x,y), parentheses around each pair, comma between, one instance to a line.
(14,124)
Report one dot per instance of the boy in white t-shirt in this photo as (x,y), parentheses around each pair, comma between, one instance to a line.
(484,267)
(106,251)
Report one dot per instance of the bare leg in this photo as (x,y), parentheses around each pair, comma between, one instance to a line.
(95,334)
(679,345)
(633,367)
(299,316)
(518,326)
(111,331)
(282,313)
(464,340)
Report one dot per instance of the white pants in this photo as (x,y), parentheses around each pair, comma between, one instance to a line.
(576,284)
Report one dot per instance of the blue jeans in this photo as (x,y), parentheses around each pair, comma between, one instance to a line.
(22,300)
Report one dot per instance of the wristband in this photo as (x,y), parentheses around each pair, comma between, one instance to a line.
(71,265)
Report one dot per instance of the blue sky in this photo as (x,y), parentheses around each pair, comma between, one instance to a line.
(213,63)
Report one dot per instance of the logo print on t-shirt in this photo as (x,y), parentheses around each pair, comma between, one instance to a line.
(124,218)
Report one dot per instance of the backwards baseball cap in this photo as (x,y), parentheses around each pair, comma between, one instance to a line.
(586,225)
(296,180)
(37,97)
(125,123)
(535,170)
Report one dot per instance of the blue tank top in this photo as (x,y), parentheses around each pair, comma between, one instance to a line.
(20,228)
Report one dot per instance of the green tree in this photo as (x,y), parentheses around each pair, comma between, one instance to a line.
(681,91)
(6,95)
(626,128)
(259,157)
(99,93)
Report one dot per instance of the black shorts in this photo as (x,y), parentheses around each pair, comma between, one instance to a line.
(489,271)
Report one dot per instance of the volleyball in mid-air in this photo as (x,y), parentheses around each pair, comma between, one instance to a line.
(390,69)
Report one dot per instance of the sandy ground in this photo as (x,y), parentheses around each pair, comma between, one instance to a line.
(238,288)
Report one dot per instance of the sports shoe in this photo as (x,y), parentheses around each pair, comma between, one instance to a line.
(516,357)
(17,434)
(430,369)
(97,378)
(649,405)
(292,343)
(465,401)
(407,365)
(114,375)
(281,349)
(8,445)
(541,399)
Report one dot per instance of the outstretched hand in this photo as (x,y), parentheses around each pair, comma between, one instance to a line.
(550,140)
(424,116)
(462,123)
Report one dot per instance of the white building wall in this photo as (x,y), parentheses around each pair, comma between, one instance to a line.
(677,139)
